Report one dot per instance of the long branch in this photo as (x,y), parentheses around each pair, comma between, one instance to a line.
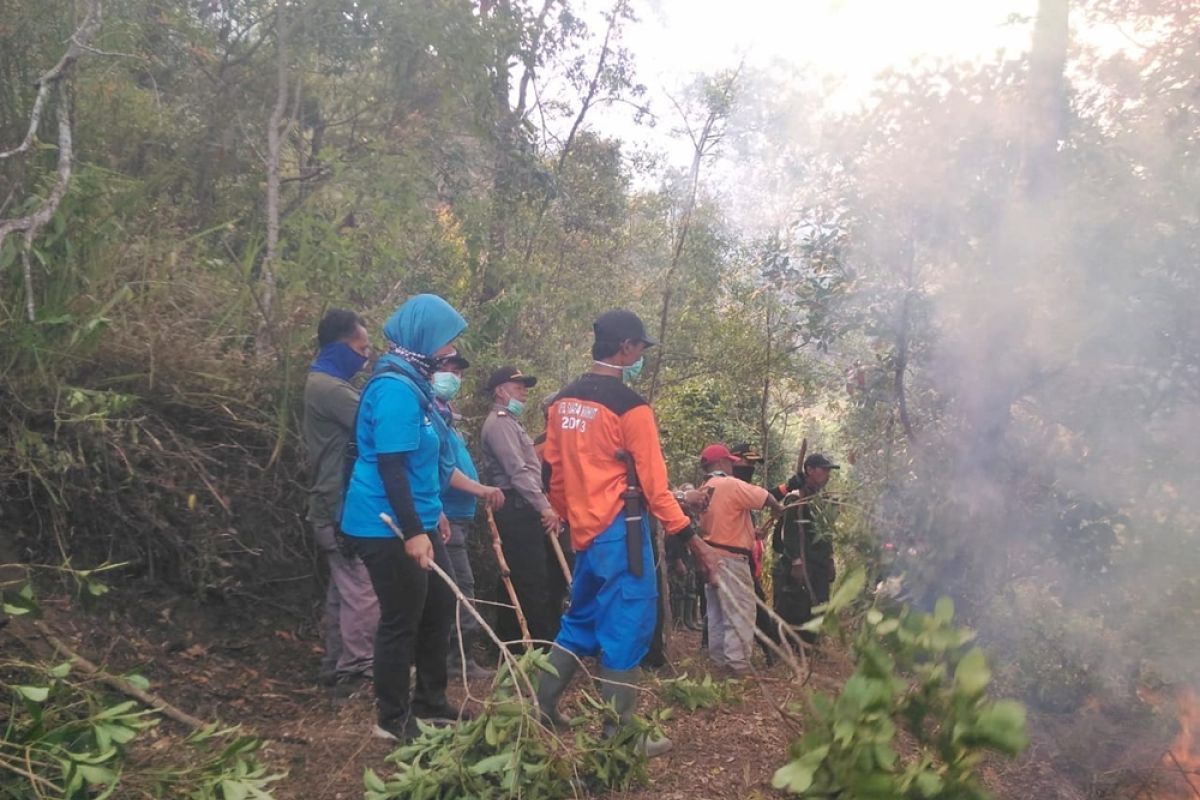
(120,684)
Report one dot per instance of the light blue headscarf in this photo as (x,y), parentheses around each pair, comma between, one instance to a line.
(423,325)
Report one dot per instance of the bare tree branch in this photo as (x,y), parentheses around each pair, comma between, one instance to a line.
(55,78)
(51,77)
(584,107)
(703,145)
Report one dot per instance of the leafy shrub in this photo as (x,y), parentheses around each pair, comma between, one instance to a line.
(915,675)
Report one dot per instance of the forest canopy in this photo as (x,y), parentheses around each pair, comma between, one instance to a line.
(976,286)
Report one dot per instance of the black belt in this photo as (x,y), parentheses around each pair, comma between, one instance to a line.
(740,551)
(515,499)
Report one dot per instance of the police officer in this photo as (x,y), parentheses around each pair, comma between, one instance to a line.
(509,462)
(803,543)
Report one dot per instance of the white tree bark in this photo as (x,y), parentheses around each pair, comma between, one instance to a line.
(277,129)
(55,79)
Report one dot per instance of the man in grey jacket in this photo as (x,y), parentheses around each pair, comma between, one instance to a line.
(330,407)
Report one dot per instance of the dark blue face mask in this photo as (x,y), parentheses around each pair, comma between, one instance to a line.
(339,360)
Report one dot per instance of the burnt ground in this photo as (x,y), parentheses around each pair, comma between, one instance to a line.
(239,663)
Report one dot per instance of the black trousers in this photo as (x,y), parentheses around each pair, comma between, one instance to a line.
(528,554)
(793,601)
(415,612)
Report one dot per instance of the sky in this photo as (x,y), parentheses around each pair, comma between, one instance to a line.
(840,42)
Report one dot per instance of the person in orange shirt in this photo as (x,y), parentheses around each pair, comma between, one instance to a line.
(592,423)
(729,527)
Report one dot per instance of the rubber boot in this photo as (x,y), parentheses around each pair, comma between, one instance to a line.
(551,687)
(474,670)
(620,688)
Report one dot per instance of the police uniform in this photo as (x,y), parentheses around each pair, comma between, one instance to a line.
(510,463)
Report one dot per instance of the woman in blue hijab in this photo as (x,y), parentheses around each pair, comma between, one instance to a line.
(403,465)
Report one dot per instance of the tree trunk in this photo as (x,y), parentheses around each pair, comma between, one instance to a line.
(276,130)
(1047,100)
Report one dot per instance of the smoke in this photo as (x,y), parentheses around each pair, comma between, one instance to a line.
(1045,311)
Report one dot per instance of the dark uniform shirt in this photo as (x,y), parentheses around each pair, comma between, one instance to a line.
(330,405)
(509,460)
(806,530)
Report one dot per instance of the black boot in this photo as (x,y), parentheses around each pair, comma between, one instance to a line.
(551,687)
(620,688)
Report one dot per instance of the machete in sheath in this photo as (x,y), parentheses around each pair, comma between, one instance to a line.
(633,514)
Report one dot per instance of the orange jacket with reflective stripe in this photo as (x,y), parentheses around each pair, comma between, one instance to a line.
(589,422)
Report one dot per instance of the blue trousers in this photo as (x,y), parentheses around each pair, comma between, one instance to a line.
(612,613)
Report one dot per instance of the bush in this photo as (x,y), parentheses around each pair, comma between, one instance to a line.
(916,679)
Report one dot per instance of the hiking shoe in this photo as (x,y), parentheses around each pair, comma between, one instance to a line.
(477,672)
(349,685)
(652,748)
(402,732)
(439,713)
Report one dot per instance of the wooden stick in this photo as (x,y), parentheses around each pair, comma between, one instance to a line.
(155,702)
(506,575)
(562,558)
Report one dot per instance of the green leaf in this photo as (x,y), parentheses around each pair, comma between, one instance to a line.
(97,775)
(794,777)
(491,764)
(887,626)
(37,694)
(943,610)
(1002,726)
(797,776)
(138,681)
(62,670)
(814,624)
(874,616)
(929,784)
(972,675)
(17,603)
(234,790)
(848,590)
(373,781)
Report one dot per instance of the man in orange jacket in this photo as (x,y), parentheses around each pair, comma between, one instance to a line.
(613,607)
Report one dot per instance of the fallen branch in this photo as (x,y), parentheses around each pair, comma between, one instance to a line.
(152,700)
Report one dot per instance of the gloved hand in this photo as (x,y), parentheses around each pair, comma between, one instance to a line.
(795,483)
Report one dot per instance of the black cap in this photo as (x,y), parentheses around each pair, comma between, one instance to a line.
(619,325)
(457,361)
(746,452)
(818,461)
(506,374)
